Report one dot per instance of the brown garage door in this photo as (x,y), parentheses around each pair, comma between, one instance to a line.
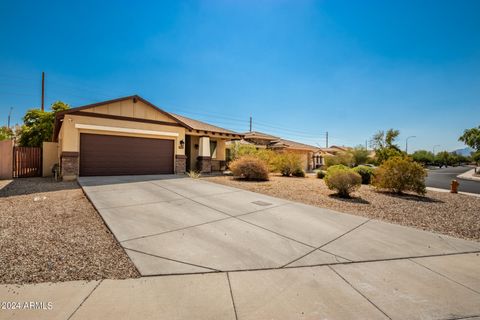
(103,155)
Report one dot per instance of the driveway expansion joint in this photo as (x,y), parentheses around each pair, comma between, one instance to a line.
(328,242)
(360,293)
(85,299)
(174,230)
(170,259)
(231,295)
(441,274)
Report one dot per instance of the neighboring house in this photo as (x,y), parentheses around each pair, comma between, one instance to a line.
(334,150)
(132,136)
(311,156)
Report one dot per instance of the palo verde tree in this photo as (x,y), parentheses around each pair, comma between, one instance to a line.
(38,125)
(471,137)
(360,155)
(384,145)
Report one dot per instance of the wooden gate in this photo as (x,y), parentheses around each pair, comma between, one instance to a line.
(27,162)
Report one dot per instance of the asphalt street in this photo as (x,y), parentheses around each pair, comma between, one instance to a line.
(441,178)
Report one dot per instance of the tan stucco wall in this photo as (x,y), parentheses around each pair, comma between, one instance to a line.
(220,149)
(49,157)
(6,159)
(193,152)
(69,136)
(127,108)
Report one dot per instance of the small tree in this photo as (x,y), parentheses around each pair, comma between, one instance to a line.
(343,158)
(6,133)
(443,158)
(423,157)
(384,145)
(38,125)
(471,137)
(359,155)
(401,174)
(476,157)
(343,180)
(287,163)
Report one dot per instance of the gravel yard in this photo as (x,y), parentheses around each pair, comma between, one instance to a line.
(452,214)
(49,231)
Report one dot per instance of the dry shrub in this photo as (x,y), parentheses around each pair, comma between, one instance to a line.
(400,174)
(287,163)
(343,180)
(249,168)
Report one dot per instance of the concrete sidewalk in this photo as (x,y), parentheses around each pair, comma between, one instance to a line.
(441,287)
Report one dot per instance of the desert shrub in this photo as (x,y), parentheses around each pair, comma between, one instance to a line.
(400,174)
(298,172)
(343,158)
(287,163)
(365,172)
(249,168)
(239,150)
(194,174)
(321,174)
(343,180)
(269,157)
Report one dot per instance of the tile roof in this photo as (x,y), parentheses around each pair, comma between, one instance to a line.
(289,144)
(199,125)
(259,135)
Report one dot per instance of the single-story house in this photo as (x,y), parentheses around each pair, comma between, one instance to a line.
(129,136)
(334,150)
(311,156)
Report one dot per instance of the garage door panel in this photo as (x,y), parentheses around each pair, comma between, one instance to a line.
(118,155)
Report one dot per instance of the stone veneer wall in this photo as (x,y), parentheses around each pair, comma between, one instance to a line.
(180,163)
(204,164)
(70,165)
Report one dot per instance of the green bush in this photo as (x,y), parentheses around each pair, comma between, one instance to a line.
(400,174)
(249,168)
(343,180)
(365,172)
(298,172)
(287,163)
(321,174)
(239,150)
(344,158)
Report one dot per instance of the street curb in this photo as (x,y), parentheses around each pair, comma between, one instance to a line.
(469,176)
(460,192)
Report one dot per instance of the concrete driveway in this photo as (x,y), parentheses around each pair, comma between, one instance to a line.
(310,263)
(178,225)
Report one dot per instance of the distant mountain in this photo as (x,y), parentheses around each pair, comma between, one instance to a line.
(464,152)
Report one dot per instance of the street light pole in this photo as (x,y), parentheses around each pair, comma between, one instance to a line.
(437,145)
(406,143)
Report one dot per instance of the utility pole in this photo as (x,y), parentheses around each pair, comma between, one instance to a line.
(9,116)
(366,144)
(43,90)
(406,143)
(326,139)
(250,124)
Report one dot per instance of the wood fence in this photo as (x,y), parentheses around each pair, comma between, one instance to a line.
(27,162)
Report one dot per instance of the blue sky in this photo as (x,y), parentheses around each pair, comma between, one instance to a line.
(299,68)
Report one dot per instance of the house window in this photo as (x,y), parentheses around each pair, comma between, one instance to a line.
(213,149)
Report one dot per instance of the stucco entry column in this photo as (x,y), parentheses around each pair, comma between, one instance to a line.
(204,160)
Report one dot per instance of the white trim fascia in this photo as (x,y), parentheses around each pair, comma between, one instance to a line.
(125,130)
